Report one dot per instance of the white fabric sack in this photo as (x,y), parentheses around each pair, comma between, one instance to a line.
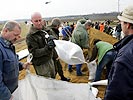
(92,66)
(69,52)
(35,87)
(101,82)
(23,53)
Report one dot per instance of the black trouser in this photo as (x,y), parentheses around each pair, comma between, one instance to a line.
(58,68)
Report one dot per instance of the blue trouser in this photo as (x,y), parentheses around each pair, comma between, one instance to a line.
(107,61)
(78,69)
(118,35)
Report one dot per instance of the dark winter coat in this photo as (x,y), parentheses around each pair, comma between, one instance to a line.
(37,45)
(120,86)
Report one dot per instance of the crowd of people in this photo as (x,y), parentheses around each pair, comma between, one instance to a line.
(109,29)
(117,58)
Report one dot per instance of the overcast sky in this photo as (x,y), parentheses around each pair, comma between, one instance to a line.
(20,9)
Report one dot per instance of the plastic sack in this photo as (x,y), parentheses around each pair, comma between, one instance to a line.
(101,82)
(51,89)
(23,53)
(69,52)
(92,66)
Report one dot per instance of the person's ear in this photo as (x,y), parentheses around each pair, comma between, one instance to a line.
(6,30)
(128,25)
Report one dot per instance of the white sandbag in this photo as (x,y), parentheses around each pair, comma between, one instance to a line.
(25,90)
(35,87)
(94,90)
(92,66)
(23,53)
(69,52)
(101,82)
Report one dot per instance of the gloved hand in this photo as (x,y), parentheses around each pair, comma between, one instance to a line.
(50,43)
(51,37)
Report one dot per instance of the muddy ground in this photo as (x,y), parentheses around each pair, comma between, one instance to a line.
(93,34)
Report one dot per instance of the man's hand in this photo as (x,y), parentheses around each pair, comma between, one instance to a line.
(50,42)
(26,65)
(51,37)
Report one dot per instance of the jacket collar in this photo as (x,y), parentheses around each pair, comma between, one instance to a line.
(5,42)
(33,30)
(122,42)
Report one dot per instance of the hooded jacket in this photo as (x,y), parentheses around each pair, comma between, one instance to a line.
(80,36)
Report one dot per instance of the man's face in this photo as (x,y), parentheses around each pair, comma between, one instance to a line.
(124,27)
(37,22)
(13,35)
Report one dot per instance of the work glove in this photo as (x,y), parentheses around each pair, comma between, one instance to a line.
(51,37)
(50,42)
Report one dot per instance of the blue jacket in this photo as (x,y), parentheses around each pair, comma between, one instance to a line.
(9,69)
(120,86)
(67,31)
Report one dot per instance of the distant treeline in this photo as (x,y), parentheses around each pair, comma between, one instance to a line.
(93,17)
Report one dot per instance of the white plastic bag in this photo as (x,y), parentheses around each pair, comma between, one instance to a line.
(101,82)
(92,66)
(23,53)
(69,52)
(35,87)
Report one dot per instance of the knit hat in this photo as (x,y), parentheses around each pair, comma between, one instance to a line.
(56,22)
(82,21)
(127,15)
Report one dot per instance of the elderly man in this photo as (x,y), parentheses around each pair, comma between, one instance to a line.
(120,86)
(9,64)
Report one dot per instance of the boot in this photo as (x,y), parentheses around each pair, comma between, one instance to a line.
(65,79)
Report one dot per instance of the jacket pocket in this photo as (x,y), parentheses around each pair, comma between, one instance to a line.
(10,70)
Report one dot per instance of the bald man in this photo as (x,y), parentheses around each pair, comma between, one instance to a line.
(40,47)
